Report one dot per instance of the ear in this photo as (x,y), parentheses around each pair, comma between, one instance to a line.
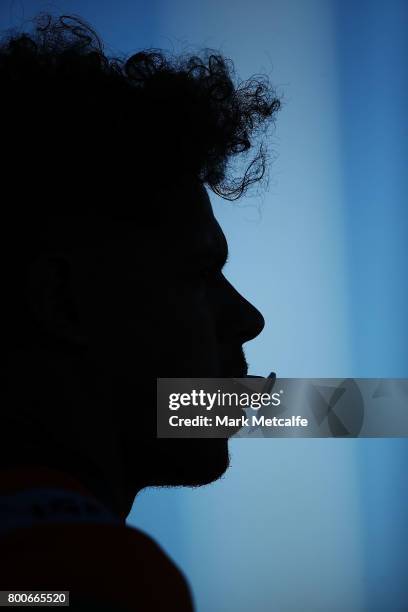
(51,297)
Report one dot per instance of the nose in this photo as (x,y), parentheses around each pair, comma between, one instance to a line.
(252,321)
(241,319)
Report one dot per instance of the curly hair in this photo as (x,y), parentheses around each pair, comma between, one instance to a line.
(147,117)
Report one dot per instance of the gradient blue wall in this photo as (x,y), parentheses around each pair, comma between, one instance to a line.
(300,525)
(372,48)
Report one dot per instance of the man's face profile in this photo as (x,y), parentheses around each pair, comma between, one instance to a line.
(154,303)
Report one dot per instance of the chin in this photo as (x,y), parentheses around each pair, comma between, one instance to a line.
(192,462)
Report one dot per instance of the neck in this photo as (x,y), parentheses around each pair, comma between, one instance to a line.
(81,468)
(55,416)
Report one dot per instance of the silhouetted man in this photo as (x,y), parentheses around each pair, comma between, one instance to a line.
(111,273)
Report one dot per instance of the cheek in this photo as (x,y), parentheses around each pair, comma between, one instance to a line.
(110,314)
(142,326)
(185,336)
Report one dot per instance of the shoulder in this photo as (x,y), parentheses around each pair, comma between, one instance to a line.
(107,563)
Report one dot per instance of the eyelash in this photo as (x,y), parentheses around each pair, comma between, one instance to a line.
(206,274)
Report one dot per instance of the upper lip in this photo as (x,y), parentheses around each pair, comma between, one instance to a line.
(240,372)
(233,363)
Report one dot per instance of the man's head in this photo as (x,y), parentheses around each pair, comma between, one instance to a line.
(112,257)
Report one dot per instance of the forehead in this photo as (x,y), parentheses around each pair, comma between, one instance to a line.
(190,223)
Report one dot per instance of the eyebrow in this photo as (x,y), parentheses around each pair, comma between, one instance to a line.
(215,252)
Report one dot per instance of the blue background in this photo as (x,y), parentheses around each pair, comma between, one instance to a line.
(300,525)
